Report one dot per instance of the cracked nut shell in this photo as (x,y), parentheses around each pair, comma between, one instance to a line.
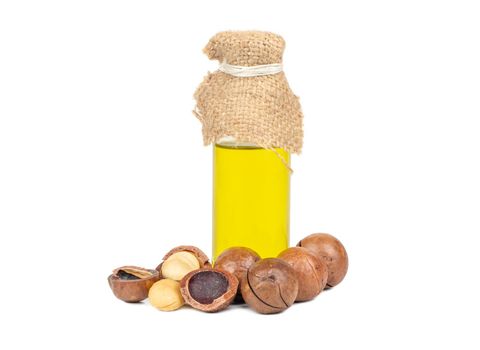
(131,283)
(332,251)
(198,253)
(270,286)
(310,270)
(208,289)
(237,261)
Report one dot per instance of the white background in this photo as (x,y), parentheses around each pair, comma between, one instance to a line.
(102,165)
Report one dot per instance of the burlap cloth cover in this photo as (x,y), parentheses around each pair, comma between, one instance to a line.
(261,110)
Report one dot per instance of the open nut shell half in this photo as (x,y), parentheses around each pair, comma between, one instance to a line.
(131,283)
(209,289)
(199,254)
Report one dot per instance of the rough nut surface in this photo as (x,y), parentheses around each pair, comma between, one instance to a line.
(270,286)
(310,270)
(332,251)
(209,289)
(165,295)
(179,264)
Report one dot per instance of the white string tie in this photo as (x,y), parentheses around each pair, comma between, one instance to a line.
(252,71)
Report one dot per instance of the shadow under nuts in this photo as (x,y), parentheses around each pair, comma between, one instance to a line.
(237,260)
(209,289)
(131,283)
(180,261)
(270,286)
(332,251)
(310,270)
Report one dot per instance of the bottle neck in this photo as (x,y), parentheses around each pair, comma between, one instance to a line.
(231,141)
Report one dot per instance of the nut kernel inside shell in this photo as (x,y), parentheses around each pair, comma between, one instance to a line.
(179,264)
(201,256)
(206,286)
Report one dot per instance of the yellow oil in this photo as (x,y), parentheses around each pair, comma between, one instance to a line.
(251,199)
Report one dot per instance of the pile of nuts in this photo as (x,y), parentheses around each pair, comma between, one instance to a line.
(271,285)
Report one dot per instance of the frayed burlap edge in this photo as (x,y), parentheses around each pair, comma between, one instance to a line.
(260,110)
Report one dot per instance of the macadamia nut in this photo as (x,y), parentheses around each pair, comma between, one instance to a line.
(179,264)
(270,286)
(333,253)
(165,295)
(310,270)
(237,260)
(131,283)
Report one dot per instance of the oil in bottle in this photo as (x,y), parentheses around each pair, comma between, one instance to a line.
(251,199)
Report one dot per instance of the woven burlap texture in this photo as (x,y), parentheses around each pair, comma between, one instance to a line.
(261,110)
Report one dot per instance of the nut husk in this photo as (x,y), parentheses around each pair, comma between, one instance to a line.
(200,255)
(131,283)
(332,251)
(310,269)
(237,260)
(208,289)
(270,286)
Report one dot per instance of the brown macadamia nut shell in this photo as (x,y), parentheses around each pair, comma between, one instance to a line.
(311,271)
(237,261)
(135,290)
(332,251)
(199,254)
(219,303)
(270,286)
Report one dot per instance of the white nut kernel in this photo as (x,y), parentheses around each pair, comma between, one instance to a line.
(165,295)
(179,264)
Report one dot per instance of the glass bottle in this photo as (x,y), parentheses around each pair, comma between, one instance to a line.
(251,198)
